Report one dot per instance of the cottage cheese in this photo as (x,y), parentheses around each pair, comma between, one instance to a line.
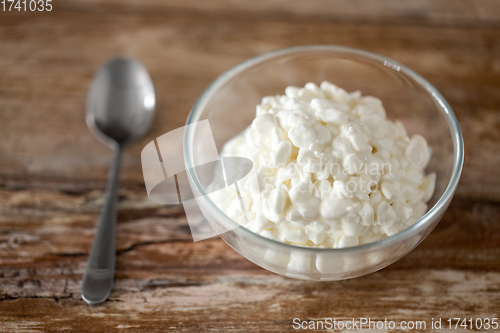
(330,170)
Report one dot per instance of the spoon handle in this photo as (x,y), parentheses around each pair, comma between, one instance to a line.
(99,273)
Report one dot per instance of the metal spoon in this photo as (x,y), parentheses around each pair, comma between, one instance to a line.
(120,109)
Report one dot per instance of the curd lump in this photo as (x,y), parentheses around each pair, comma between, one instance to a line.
(330,170)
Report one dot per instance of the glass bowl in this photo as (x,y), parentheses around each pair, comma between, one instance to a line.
(229,105)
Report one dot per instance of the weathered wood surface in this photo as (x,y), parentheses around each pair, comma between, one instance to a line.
(52,170)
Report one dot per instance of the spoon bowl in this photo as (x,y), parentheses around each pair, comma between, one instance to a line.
(121,102)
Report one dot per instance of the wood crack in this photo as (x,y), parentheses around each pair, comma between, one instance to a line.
(124,250)
(7,297)
(146,243)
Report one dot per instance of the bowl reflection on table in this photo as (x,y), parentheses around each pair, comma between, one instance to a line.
(229,105)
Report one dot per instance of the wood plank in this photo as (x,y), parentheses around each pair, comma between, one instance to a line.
(52,170)
(439,12)
(165,280)
(465,69)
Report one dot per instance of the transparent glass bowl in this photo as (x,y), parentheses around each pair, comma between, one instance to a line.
(229,105)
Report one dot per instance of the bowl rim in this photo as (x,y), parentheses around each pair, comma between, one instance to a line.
(439,207)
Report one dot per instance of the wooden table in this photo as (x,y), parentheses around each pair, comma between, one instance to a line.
(53,171)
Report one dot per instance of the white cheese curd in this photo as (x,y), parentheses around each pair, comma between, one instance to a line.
(330,170)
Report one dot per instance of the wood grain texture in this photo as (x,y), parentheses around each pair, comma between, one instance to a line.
(52,171)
